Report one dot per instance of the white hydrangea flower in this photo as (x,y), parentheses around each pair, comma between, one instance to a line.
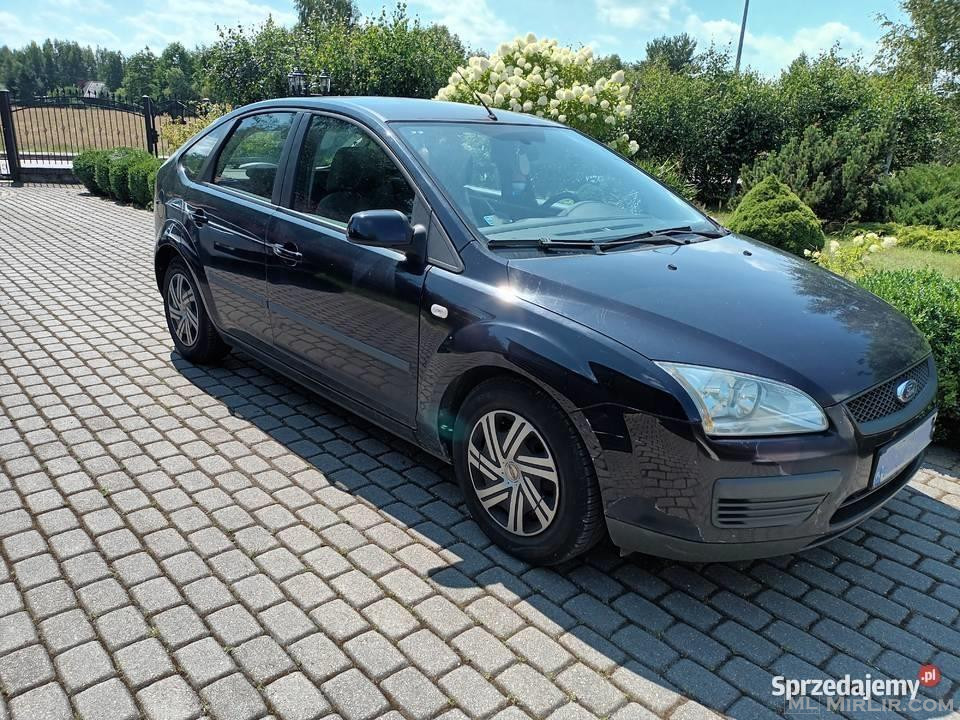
(834,246)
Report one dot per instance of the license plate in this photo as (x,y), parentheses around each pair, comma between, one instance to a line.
(894,458)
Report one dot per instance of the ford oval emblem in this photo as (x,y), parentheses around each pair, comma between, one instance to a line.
(907,390)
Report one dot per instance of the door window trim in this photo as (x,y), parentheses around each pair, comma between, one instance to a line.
(285,154)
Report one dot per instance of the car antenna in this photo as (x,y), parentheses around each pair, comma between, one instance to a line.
(477,96)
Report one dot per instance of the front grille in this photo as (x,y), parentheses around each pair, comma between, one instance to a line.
(764,513)
(880,401)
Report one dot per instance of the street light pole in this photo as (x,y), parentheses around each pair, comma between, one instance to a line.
(743,31)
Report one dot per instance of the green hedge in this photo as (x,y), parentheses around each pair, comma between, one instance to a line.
(101,170)
(932,302)
(85,168)
(124,174)
(772,213)
(121,160)
(141,180)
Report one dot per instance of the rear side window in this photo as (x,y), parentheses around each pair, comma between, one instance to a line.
(193,158)
(251,155)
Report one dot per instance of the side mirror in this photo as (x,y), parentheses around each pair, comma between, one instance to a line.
(390,229)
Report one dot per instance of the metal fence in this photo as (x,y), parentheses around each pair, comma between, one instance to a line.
(49,131)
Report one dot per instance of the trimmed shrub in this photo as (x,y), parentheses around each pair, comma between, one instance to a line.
(925,195)
(932,302)
(85,169)
(772,213)
(138,180)
(121,160)
(101,170)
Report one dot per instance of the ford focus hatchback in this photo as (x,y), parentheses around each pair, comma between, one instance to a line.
(591,353)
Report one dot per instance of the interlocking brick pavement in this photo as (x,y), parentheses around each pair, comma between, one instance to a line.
(178,541)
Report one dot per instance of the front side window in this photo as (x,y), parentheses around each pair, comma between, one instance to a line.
(193,157)
(343,170)
(530,183)
(251,155)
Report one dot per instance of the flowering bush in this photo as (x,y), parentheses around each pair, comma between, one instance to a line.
(176,134)
(849,259)
(544,78)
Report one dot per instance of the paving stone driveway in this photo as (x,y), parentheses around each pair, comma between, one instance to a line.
(181,541)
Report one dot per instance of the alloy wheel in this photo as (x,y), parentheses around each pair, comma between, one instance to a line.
(182,305)
(513,473)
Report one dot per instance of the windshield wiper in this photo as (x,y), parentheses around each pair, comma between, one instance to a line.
(667,236)
(543,244)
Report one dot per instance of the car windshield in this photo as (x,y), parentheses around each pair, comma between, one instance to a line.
(516,183)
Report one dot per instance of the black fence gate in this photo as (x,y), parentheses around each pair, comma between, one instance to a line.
(46,133)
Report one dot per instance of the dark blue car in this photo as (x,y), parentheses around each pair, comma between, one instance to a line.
(592,353)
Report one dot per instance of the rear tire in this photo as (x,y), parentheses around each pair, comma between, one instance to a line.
(193,334)
(526,475)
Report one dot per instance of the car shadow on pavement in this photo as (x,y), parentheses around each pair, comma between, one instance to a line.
(877,603)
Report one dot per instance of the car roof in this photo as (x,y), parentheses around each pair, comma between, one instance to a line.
(389,109)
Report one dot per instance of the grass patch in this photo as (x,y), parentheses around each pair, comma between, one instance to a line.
(905,258)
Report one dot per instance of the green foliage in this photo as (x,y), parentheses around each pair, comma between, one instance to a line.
(390,54)
(176,134)
(101,170)
(838,175)
(925,195)
(932,302)
(138,179)
(119,162)
(140,75)
(85,168)
(668,172)
(327,11)
(674,53)
(773,214)
(924,237)
(711,120)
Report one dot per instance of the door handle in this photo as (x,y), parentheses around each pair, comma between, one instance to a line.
(198,216)
(287,251)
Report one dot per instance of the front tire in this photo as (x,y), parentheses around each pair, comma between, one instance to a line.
(526,475)
(193,334)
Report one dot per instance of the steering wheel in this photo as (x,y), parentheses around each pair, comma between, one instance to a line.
(557,197)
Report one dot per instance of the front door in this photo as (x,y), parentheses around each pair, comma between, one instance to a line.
(230,214)
(344,312)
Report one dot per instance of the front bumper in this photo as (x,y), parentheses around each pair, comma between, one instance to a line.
(671,491)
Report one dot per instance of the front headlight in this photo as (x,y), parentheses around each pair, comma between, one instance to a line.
(733,403)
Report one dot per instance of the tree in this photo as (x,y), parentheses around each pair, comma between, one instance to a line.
(326,11)
(109,65)
(675,52)
(174,73)
(928,46)
(139,76)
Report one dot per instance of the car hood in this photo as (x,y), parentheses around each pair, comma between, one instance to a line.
(732,303)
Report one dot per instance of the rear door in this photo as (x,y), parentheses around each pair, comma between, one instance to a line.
(345,313)
(229,213)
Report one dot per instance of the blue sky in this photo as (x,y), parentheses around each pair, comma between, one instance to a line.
(778,30)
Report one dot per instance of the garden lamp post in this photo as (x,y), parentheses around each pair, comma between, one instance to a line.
(297,82)
(323,83)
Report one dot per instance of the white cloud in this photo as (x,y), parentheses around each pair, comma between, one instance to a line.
(194,22)
(769,53)
(17,32)
(641,14)
(473,20)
